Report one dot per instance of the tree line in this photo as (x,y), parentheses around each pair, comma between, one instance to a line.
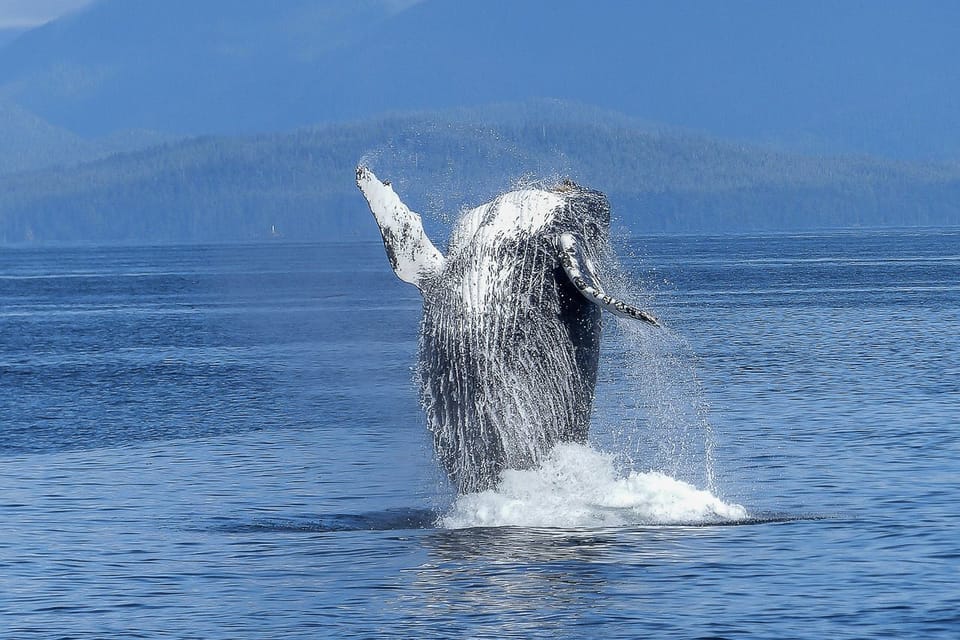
(299,186)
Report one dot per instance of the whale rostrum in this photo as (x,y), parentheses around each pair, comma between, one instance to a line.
(510,334)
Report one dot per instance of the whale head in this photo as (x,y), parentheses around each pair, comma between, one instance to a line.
(585,214)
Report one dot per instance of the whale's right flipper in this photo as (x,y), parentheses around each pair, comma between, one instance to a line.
(581,274)
(412,255)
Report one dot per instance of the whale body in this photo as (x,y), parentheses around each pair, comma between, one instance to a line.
(512,317)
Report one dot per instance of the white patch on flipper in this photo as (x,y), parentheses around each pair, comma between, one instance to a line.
(411,253)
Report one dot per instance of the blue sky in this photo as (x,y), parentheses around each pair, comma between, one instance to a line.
(22,14)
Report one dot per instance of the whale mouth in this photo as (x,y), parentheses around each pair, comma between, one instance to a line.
(579,270)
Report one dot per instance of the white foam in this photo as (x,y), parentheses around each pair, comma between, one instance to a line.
(577,486)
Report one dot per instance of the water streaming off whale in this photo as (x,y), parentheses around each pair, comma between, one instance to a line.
(510,335)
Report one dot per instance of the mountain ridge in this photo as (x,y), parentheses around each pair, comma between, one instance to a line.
(245,188)
(862,77)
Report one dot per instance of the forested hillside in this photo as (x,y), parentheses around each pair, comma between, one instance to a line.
(300,185)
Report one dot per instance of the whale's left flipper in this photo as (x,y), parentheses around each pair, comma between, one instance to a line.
(580,271)
(412,255)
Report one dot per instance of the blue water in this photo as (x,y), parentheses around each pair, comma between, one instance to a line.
(225,442)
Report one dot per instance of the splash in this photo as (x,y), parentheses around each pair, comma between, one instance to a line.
(651,407)
(577,486)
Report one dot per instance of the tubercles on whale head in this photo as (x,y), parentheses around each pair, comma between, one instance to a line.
(586,215)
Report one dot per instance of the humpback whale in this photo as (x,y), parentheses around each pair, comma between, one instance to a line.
(512,316)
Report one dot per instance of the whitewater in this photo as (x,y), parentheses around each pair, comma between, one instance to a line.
(580,487)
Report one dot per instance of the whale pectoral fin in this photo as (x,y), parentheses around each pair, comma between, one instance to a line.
(581,273)
(412,255)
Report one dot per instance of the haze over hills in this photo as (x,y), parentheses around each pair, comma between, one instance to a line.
(186,66)
(300,185)
(876,77)
(29,142)
(100,113)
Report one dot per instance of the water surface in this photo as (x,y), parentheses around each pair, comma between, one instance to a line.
(225,442)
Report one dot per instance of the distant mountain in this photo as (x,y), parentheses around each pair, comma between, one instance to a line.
(30,143)
(878,77)
(301,185)
(186,66)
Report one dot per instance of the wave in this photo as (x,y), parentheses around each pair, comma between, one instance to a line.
(577,487)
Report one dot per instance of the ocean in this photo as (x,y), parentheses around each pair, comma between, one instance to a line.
(226,442)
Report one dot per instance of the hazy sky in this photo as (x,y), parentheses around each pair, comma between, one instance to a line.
(20,14)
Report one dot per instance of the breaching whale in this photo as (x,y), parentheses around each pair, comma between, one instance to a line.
(510,334)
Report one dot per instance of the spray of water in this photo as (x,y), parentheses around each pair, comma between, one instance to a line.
(577,486)
(440,179)
(651,446)
(651,408)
